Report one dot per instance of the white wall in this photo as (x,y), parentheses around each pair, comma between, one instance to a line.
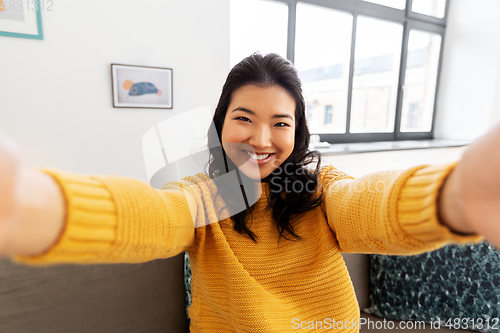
(55,94)
(468,103)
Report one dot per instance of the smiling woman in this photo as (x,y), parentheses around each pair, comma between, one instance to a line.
(261,121)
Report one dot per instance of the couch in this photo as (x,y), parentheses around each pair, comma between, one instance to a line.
(123,298)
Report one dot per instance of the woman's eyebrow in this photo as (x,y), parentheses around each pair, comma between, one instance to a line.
(244,110)
(282,115)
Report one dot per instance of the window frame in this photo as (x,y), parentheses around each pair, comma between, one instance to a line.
(409,20)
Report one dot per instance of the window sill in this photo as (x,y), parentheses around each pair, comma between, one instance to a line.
(370,147)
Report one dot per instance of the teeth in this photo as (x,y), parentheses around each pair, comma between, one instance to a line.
(257,157)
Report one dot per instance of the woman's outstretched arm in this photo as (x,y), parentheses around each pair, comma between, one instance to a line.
(419,209)
(31,206)
(58,217)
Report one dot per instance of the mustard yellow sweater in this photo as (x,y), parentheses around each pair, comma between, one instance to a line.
(239,285)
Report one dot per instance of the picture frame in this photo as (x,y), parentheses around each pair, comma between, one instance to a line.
(23,18)
(142,87)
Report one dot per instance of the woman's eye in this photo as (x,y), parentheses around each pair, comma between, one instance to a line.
(282,125)
(245,119)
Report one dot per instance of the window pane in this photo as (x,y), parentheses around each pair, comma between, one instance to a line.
(376,74)
(420,81)
(257,25)
(398,4)
(434,8)
(322,55)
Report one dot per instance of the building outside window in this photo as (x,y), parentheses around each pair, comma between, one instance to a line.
(309,107)
(328,114)
(370,69)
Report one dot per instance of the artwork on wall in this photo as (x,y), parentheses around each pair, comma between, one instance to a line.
(142,87)
(23,18)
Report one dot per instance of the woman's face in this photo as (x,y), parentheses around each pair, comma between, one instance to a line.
(259,129)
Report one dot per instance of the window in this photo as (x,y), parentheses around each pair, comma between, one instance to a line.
(308,111)
(412,115)
(369,68)
(434,8)
(323,63)
(328,114)
(377,58)
(398,4)
(420,81)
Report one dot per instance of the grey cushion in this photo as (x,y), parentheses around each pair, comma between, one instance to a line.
(146,297)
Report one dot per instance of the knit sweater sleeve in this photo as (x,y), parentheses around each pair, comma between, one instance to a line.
(392,212)
(116,219)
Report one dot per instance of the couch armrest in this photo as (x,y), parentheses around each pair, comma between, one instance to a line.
(146,297)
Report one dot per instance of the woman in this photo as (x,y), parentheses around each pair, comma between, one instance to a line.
(277,262)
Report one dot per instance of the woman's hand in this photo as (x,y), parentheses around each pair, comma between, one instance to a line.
(31,206)
(470,200)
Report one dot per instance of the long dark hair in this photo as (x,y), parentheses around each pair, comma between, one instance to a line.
(263,71)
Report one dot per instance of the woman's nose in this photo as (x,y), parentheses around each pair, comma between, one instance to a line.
(261,138)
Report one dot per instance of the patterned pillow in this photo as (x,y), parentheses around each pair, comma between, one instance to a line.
(457,285)
(187,282)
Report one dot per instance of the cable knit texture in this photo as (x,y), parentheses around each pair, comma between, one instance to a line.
(239,285)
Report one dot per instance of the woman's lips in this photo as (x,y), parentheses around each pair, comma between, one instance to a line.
(257,162)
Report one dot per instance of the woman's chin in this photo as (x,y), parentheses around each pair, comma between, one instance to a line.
(251,171)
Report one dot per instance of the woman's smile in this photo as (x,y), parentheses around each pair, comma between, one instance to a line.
(258,158)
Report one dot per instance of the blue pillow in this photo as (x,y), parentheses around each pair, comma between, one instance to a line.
(457,285)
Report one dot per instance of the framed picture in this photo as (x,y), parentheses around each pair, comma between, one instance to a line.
(142,87)
(22,18)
